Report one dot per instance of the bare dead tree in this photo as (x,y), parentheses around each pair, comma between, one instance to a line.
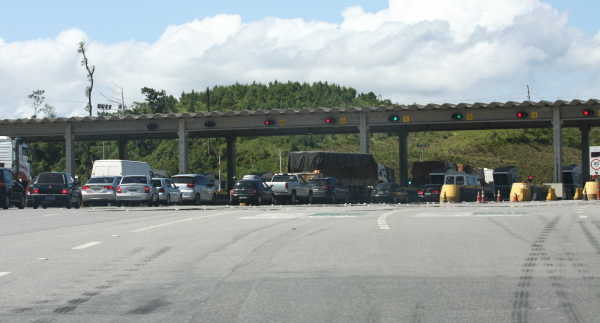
(90,76)
(117,96)
(37,98)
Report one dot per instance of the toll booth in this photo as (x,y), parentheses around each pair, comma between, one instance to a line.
(504,177)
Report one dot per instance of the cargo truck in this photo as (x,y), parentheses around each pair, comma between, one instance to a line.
(14,154)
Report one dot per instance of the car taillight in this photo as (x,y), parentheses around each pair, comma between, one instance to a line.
(2,184)
(286,185)
(65,191)
(85,188)
(109,188)
(119,189)
(326,187)
(191,185)
(36,191)
(147,189)
(256,191)
(373,192)
(420,192)
(436,192)
(161,190)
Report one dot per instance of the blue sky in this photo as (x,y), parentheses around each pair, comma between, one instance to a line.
(111,21)
(405,50)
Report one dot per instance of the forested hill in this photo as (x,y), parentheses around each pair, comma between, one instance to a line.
(529,149)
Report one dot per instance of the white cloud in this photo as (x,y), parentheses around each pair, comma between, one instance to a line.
(427,50)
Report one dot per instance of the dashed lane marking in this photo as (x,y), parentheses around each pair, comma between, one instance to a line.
(4,273)
(168,223)
(382,221)
(583,216)
(87,245)
(50,214)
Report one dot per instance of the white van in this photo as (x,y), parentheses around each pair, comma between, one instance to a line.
(117,167)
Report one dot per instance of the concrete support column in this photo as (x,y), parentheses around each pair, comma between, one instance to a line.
(403,145)
(585,150)
(183,147)
(70,149)
(231,170)
(123,148)
(557,125)
(364,134)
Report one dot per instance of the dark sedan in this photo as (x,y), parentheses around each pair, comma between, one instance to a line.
(429,193)
(55,189)
(251,191)
(330,190)
(389,192)
(12,191)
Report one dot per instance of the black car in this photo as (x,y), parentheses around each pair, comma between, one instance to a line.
(389,192)
(429,193)
(251,191)
(330,190)
(55,189)
(12,191)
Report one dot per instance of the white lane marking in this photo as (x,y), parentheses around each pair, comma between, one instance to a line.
(87,245)
(276,216)
(382,221)
(466,214)
(164,224)
(50,214)
(583,216)
(4,273)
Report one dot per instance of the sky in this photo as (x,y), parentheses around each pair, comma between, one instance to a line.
(405,50)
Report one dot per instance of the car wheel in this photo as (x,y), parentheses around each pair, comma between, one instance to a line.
(197,199)
(310,198)
(332,199)
(23,202)
(168,201)
(347,199)
(118,204)
(214,200)
(259,200)
(6,202)
(44,207)
(34,205)
(151,201)
(78,204)
(180,202)
(293,198)
(395,199)
(69,202)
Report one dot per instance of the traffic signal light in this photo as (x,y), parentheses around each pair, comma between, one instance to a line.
(520,179)
(522,114)
(209,124)
(393,118)
(588,113)
(269,122)
(410,181)
(457,116)
(530,178)
(330,120)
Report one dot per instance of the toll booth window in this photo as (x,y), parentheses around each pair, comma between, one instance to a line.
(501,180)
(450,180)
(437,179)
(460,180)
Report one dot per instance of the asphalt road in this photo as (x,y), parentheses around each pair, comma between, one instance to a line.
(518,263)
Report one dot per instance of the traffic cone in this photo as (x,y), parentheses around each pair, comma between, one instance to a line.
(445,200)
(478,197)
(498,199)
(482,197)
(515,198)
(585,198)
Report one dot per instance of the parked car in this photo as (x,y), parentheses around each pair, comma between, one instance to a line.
(195,188)
(55,189)
(251,190)
(12,191)
(389,192)
(137,189)
(329,189)
(429,193)
(102,190)
(290,187)
(168,192)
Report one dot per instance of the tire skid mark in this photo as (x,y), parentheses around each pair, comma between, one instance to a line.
(590,237)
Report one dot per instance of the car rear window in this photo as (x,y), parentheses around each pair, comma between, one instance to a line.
(51,179)
(157,182)
(385,186)
(245,184)
(318,182)
(284,178)
(185,180)
(101,180)
(134,180)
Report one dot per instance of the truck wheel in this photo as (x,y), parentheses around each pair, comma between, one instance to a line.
(23,203)
(293,198)
(332,200)
(6,202)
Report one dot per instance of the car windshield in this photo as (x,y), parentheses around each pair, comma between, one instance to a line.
(185,180)
(51,179)
(101,180)
(318,182)
(384,186)
(245,184)
(134,180)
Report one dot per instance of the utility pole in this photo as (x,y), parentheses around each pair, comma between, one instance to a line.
(208,109)
(528,97)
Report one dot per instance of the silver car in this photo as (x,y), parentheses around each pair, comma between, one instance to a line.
(102,190)
(137,189)
(195,188)
(168,192)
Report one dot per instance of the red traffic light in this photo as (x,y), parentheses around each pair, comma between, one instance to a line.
(269,122)
(522,114)
(530,178)
(330,120)
(588,113)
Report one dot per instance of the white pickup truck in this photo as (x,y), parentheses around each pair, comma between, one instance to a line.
(289,188)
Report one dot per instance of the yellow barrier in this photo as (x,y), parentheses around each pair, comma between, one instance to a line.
(591,189)
(551,195)
(522,190)
(452,193)
(578,194)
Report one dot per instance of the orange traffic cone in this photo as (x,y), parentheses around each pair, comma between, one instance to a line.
(478,197)
(498,199)
(482,197)
(515,198)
